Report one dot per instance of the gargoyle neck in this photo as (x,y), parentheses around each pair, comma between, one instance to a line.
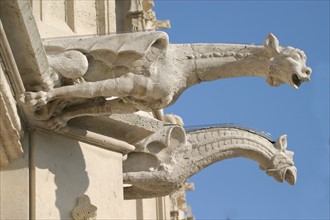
(213,145)
(226,61)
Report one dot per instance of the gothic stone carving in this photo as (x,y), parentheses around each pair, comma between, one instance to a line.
(179,197)
(170,157)
(84,209)
(147,73)
(143,18)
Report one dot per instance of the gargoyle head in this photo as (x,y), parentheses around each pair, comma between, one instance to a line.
(287,65)
(282,167)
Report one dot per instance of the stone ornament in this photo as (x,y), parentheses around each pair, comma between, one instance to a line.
(166,168)
(143,18)
(125,73)
(84,209)
(179,199)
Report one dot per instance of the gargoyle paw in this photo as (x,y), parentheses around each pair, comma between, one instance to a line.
(57,123)
(173,119)
(34,99)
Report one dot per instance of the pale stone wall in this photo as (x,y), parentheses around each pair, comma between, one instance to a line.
(155,208)
(65,169)
(79,17)
(14,187)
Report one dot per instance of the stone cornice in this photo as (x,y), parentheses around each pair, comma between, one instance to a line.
(95,139)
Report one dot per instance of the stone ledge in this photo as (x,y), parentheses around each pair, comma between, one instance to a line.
(93,138)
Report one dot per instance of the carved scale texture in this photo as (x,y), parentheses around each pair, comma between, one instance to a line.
(205,147)
(215,144)
(216,54)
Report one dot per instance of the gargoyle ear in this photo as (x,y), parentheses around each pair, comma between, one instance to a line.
(272,44)
(281,143)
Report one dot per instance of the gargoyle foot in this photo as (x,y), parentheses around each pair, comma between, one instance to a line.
(57,123)
(173,119)
(168,118)
(34,99)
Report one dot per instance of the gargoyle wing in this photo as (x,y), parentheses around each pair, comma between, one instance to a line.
(115,50)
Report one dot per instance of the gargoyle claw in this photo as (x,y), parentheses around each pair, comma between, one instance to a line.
(57,123)
(34,99)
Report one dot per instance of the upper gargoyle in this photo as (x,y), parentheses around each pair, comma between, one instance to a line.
(147,73)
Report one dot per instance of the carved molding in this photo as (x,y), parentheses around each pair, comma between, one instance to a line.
(10,145)
(95,139)
(10,124)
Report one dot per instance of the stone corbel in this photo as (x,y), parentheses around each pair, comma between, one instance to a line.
(84,209)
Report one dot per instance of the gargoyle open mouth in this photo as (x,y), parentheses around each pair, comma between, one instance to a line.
(296,81)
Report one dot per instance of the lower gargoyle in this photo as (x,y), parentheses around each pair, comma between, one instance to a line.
(173,157)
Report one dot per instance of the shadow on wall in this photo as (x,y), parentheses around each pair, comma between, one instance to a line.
(60,166)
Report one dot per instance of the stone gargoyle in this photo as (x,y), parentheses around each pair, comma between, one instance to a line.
(171,156)
(142,71)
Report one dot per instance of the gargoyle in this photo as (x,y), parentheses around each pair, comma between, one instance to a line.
(170,158)
(144,72)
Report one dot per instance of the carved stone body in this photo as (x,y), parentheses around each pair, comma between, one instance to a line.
(147,73)
(170,158)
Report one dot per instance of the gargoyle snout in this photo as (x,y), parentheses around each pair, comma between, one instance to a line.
(308,71)
(305,75)
(291,175)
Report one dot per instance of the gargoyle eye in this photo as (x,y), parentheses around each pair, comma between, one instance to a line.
(296,56)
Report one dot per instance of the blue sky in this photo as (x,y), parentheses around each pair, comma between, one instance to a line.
(236,188)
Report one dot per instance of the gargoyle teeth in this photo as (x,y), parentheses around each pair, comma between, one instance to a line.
(296,81)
